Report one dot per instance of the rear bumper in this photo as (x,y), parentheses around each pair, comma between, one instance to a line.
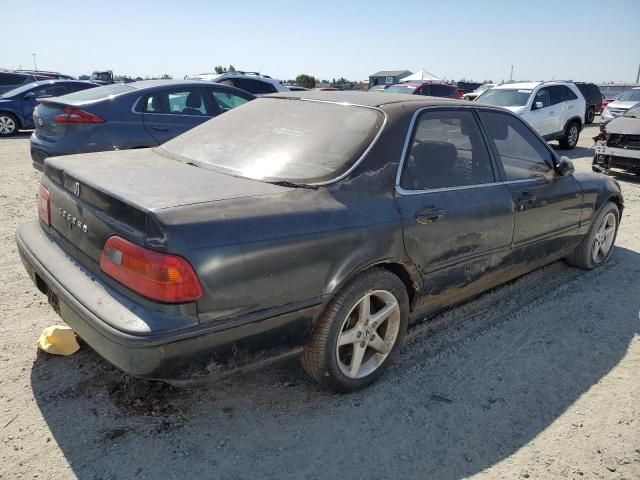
(194,354)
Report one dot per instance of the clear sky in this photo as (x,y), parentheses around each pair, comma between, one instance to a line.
(592,40)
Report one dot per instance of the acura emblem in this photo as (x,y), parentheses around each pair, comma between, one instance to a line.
(76,189)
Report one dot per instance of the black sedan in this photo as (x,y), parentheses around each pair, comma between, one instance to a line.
(308,224)
(126,116)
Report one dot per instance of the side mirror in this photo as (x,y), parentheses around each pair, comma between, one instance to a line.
(565,166)
(537,105)
(30,96)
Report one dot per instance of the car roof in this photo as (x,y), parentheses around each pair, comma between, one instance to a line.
(520,85)
(366,99)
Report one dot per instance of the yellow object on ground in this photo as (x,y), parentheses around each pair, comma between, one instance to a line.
(58,339)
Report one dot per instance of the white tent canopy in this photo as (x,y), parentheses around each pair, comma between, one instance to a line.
(420,75)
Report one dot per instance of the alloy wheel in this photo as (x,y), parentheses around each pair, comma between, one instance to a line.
(368,334)
(7,125)
(603,240)
(573,135)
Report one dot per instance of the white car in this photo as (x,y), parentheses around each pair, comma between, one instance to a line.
(478,91)
(554,109)
(251,82)
(621,104)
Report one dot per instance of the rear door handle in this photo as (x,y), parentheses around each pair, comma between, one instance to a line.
(429,215)
(160,129)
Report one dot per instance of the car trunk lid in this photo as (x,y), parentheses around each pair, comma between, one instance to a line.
(95,196)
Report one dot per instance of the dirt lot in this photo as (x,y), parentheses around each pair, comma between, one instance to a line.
(537,379)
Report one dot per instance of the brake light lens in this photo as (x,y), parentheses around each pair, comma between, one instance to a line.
(44,205)
(158,276)
(75,115)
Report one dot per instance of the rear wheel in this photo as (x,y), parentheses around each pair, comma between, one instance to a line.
(590,115)
(8,124)
(597,245)
(571,136)
(360,333)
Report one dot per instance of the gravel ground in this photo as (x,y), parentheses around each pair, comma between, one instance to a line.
(536,379)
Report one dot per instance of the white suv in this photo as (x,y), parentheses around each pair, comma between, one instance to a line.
(251,82)
(554,109)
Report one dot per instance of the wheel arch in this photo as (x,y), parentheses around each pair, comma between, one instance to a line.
(575,118)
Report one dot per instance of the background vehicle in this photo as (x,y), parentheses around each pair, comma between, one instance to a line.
(619,146)
(593,99)
(430,89)
(252,82)
(554,109)
(379,88)
(232,246)
(621,104)
(16,106)
(478,91)
(104,77)
(295,88)
(122,116)
(607,100)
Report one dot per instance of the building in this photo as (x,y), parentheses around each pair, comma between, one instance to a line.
(387,77)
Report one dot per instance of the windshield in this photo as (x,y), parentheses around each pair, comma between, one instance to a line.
(281,140)
(482,88)
(401,89)
(633,112)
(505,97)
(630,96)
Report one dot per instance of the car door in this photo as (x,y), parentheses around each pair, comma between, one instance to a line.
(542,115)
(168,113)
(547,206)
(30,100)
(457,220)
(560,106)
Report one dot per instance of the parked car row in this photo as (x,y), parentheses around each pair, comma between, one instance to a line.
(309,224)
(125,116)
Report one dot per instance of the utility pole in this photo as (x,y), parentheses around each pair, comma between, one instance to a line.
(638,75)
(35,67)
(511,74)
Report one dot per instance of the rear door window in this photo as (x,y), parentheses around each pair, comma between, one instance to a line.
(448,151)
(557,94)
(441,90)
(522,154)
(257,87)
(187,102)
(569,94)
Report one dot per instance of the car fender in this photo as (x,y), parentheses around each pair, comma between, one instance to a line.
(574,118)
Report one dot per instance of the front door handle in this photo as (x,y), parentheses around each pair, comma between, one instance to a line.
(526,199)
(429,215)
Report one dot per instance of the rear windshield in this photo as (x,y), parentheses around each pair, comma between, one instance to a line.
(504,97)
(400,89)
(99,93)
(281,140)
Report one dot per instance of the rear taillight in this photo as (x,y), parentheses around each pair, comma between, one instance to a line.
(75,115)
(158,276)
(44,205)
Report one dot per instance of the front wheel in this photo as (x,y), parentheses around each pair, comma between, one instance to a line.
(571,136)
(8,125)
(597,245)
(360,333)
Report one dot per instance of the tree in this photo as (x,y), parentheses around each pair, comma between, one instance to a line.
(84,77)
(306,81)
(166,76)
(231,68)
(219,69)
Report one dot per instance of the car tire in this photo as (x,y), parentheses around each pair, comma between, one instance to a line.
(571,136)
(352,345)
(585,255)
(8,124)
(590,115)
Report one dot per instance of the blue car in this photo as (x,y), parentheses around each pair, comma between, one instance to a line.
(16,106)
(125,116)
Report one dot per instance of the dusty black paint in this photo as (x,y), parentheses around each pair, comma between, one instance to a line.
(270,257)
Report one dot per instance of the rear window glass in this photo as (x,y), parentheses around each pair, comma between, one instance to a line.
(99,93)
(281,140)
